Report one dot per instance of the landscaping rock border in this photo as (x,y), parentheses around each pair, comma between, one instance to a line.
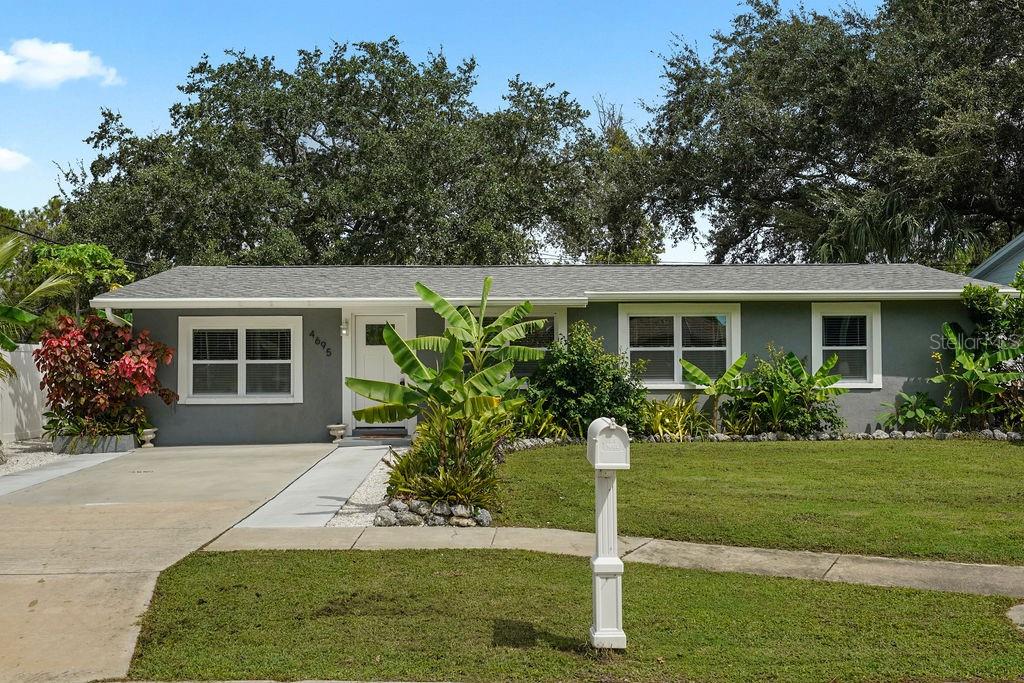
(398,512)
(878,434)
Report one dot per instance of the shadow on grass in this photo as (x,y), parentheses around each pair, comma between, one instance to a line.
(524,634)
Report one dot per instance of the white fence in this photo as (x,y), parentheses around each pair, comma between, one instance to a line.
(21,401)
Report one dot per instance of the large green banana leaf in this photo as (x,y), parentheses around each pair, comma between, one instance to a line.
(517,332)
(384,392)
(384,413)
(405,358)
(441,306)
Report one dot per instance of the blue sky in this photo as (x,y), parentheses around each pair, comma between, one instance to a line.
(130,56)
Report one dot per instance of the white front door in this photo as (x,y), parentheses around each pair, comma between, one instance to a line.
(372,359)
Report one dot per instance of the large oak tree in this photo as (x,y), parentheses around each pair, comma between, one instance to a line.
(890,136)
(357,155)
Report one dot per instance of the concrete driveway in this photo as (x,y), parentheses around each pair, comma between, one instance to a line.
(79,555)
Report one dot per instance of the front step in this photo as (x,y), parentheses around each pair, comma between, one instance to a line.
(377,436)
(380,433)
(349,442)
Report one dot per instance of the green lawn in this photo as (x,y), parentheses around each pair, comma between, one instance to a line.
(500,615)
(957,500)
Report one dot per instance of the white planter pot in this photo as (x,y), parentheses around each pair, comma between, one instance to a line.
(147,437)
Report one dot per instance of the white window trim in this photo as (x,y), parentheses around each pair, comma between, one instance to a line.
(678,311)
(186,325)
(873,312)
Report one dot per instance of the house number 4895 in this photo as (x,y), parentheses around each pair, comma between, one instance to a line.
(322,343)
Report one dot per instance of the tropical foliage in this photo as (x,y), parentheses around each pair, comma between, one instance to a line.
(725,385)
(781,395)
(451,460)
(534,418)
(466,404)
(581,381)
(16,298)
(94,372)
(912,411)
(90,268)
(677,418)
(979,374)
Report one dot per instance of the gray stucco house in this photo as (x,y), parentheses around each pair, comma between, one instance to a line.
(262,352)
(1002,266)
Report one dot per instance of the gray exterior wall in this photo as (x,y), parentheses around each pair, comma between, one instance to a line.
(907,343)
(304,422)
(908,329)
(603,317)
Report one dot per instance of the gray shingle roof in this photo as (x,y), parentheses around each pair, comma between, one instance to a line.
(551,282)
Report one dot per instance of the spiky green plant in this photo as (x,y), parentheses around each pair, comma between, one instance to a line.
(726,385)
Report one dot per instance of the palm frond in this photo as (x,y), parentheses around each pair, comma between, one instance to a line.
(55,285)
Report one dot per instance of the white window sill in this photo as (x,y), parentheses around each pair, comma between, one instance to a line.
(237,400)
(858,385)
(685,386)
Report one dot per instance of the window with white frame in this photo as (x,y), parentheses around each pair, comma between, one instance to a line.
(227,359)
(852,332)
(661,334)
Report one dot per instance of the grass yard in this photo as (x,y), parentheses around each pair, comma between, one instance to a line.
(955,500)
(510,615)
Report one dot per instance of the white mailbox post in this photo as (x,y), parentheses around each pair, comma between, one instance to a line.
(607,451)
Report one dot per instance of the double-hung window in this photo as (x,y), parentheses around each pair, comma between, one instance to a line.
(240,359)
(853,333)
(661,334)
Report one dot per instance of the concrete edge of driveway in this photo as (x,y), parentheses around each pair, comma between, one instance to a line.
(957,577)
(23,479)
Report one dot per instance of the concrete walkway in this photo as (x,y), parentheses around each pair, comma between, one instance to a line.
(979,579)
(313,499)
(79,554)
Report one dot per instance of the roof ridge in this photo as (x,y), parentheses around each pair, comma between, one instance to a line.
(558,265)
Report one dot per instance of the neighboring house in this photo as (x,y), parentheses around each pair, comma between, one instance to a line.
(1002,266)
(262,352)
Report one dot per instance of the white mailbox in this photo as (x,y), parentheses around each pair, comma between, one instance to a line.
(607,445)
(607,451)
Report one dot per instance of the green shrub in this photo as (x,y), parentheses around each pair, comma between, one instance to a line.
(533,419)
(981,375)
(581,382)
(451,459)
(999,328)
(677,417)
(912,411)
(716,388)
(780,395)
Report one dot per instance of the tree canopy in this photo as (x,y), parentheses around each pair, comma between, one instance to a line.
(893,136)
(357,155)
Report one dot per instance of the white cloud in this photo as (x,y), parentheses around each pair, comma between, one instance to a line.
(11,160)
(39,64)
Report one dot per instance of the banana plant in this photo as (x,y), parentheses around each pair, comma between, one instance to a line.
(482,344)
(817,386)
(978,373)
(726,385)
(13,316)
(447,385)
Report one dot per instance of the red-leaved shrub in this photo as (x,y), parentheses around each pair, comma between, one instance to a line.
(94,371)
